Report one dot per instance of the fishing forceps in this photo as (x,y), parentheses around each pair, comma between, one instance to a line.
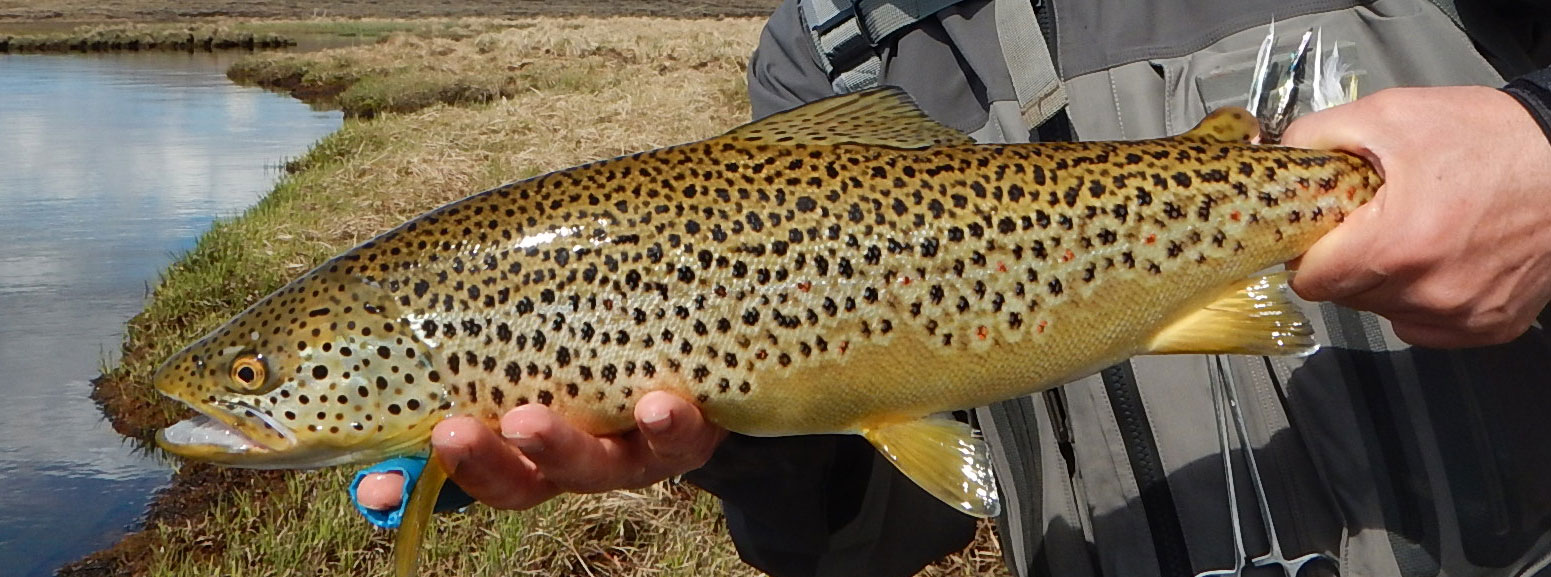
(1223,394)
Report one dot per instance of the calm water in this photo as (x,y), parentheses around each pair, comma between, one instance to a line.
(109,166)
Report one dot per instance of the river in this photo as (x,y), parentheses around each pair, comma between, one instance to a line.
(110,166)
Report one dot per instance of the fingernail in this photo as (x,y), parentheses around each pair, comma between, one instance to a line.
(528,444)
(657,420)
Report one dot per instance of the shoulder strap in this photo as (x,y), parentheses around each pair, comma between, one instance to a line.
(848,32)
(1040,91)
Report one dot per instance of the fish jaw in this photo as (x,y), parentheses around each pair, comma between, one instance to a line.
(217,436)
(206,438)
(224,431)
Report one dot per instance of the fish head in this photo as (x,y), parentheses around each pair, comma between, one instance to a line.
(325,371)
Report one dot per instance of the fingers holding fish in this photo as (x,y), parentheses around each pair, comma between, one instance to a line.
(1455,249)
(542,455)
(678,437)
(671,438)
(538,454)
(491,467)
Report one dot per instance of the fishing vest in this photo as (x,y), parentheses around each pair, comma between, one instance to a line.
(1394,459)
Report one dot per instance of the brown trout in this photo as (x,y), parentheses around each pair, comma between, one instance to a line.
(845,267)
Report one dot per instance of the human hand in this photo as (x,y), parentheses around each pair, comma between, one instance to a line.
(537,455)
(1455,249)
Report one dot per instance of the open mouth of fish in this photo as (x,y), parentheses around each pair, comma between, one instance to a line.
(207,437)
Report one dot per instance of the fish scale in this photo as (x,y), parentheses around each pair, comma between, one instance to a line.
(848,266)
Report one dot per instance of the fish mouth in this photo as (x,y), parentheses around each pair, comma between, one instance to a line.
(211,438)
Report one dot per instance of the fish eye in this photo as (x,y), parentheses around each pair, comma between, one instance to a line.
(248,373)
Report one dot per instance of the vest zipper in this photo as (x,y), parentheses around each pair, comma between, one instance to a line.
(1060,423)
(1168,537)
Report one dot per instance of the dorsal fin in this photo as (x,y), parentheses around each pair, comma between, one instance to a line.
(885,116)
(1226,124)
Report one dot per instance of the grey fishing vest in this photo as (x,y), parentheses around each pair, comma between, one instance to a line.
(1396,460)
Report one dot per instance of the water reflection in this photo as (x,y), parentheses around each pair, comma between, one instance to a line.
(109,166)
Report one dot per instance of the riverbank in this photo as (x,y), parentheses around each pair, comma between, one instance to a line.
(96,11)
(560,92)
(409,72)
(231,34)
(134,37)
(115,25)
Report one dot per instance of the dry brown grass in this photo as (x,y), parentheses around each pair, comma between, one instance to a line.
(650,82)
(146,37)
(169,10)
(407,72)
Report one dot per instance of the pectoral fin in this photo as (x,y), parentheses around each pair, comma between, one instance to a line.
(944,457)
(1254,317)
(417,516)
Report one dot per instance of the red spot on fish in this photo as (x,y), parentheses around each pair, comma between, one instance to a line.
(1351,193)
(1068,256)
(761,354)
(1041,327)
(982,333)
(805,286)
(1001,266)
(844,345)
(904,281)
(1235,216)
(1152,238)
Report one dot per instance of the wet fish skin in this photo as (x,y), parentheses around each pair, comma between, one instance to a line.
(844,267)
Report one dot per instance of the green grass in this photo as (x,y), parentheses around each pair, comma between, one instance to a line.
(661,529)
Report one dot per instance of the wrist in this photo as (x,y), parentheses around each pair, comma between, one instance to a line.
(1533,92)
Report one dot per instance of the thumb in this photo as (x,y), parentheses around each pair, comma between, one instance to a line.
(1329,129)
(1335,267)
(1348,127)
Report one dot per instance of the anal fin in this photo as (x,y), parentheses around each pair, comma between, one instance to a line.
(1254,317)
(417,517)
(944,457)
